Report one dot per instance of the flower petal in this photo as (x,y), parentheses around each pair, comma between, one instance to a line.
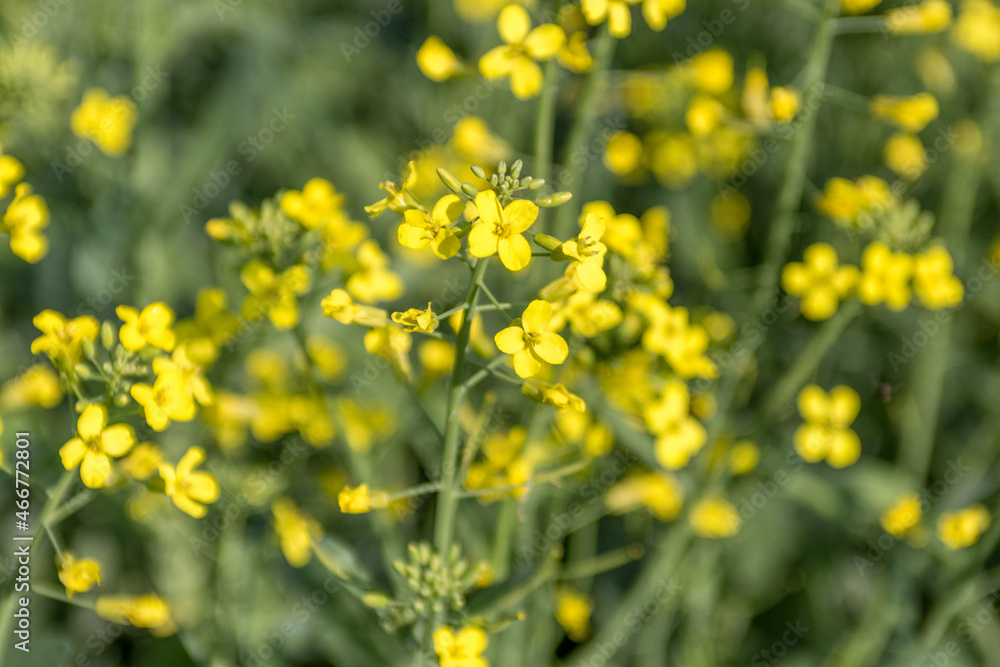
(545,41)
(536,316)
(95,469)
(510,340)
(482,240)
(72,453)
(526,364)
(520,215)
(489,209)
(515,253)
(551,347)
(117,440)
(92,421)
(513,24)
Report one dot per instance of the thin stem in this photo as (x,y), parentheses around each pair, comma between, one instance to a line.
(790,196)
(489,368)
(545,122)
(53,594)
(482,308)
(486,371)
(552,476)
(496,303)
(420,490)
(611,560)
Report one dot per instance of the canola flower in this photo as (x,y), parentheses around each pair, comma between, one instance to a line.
(531,343)
(190,489)
(826,433)
(523,46)
(95,445)
(107,121)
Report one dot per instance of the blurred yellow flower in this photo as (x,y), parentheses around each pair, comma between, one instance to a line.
(715,518)
(11,172)
(977,30)
(314,205)
(38,386)
(25,218)
(574,56)
(420,230)
(296,532)
(903,517)
(710,71)
(616,12)
(107,121)
(744,457)
(152,326)
(78,576)
(189,489)
(373,280)
(658,492)
(904,154)
(573,612)
(885,277)
(623,153)
(826,433)
(784,104)
(858,6)
(819,281)
(522,47)
(359,500)
(961,528)
(147,611)
(168,399)
(463,649)
(934,282)
(911,114)
(679,436)
(436,60)
(926,17)
(414,319)
(95,444)
(143,462)
(273,294)
(63,339)
(555,395)
(339,306)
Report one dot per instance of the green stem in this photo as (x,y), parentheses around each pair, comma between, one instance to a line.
(855,25)
(447,506)
(538,479)
(575,158)
(496,304)
(585,569)
(790,196)
(545,122)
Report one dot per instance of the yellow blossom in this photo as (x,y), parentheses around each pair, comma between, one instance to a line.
(934,281)
(731,213)
(819,280)
(152,326)
(911,114)
(78,576)
(327,357)
(977,30)
(858,6)
(587,315)
(744,457)
(424,321)
(710,71)
(105,120)
(673,159)
(168,399)
(273,294)
(658,12)
(373,280)
(885,277)
(658,492)
(392,344)
(623,153)
(314,205)
(682,344)
(95,444)
(189,489)
(62,339)
(961,528)
(397,198)
(856,203)
(11,172)
(531,343)
(715,518)
(574,55)
(499,230)
(38,385)
(905,155)
(826,433)
(359,500)
(903,517)
(420,230)
(211,327)
(616,12)
(463,649)
(436,60)
(573,612)
(25,218)
(143,462)
(555,395)
(339,306)
(296,532)
(784,104)
(587,251)
(704,114)
(926,17)
(679,436)
(147,611)
(522,47)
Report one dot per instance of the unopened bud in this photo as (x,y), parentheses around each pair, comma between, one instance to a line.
(556,199)
(450,181)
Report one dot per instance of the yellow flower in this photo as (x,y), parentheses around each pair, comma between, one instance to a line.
(25,218)
(373,280)
(784,104)
(95,444)
(587,251)
(460,650)
(855,203)
(192,378)
(359,500)
(523,46)
(977,30)
(658,492)
(673,159)
(929,16)
(710,71)
(147,611)
(143,462)
(474,142)
(623,153)
(105,120)
(424,321)
(150,327)
(420,230)
(885,277)
(658,12)
(911,114)
(858,6)
(436,60)
(715,518)
(555,395)
(704,114)
(743,457)
(168,399)
(573,612)
(189,489)
(962,528)
(296,532)
(392,344)
(903,517)
(211,327)
(397,199)
(574,56)
(273,294)
(500,230)
(819,281)
(339,306)
(532,343)
(78,576)
(38,385)
(62,340)
(11,171)
(904,154)
(826,433)
(682,344)
(587,315)
(679,436)
(327,357)
(616,12)
(315,204)
(437,357)
(933,280)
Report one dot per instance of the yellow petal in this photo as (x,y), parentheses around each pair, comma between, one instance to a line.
(515,253)
(520,215)
(844,405)
(482,240)
(72,453)
(619,20)
(95,469)
(510,340)
(525,78)
(92,421)
(551,348)
(814,404)
(526,364)
(545,41)
(202,487)
(536,316)
(513,24)
(190,460)
(496,63)
(447,209)
(117,440)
